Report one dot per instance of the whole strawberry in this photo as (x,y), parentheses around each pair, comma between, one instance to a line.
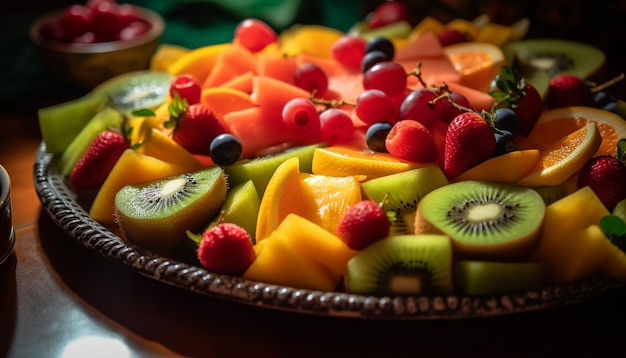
(606,175)
(566,90)
(94,166)
(510,90)
(226,248)
(195,126)
(362,224)
(409,140)
(469,141)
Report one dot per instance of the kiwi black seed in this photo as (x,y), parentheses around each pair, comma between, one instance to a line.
(156,215)
(402,193)
(555,56)
(403,265)
(485,220)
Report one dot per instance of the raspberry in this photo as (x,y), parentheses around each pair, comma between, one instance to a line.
(226,248)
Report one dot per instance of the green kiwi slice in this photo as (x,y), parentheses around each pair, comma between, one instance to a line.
(241,207)
(402,192)
(485,220)
(555,56)
(261,169)
(477,278)
(156,215)
(552,193)
(402,265)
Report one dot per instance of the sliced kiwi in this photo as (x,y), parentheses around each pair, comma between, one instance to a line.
(402,192)
(492,278)
(403,265)
(156,215)
(555,56)
(485,220)
(260,169)
(136,90)
(242,207)
(552,193)
(61,123)
(108,118)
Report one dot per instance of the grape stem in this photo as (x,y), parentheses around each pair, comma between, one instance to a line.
(329,103)
(597,88)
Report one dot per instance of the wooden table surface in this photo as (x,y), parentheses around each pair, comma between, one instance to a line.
(58,299)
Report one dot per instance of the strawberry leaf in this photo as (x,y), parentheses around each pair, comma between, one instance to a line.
(614,228)
(194,237)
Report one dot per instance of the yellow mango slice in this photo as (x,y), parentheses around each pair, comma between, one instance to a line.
(158,145)
(571,245)
(316,242)
(131,168)
(277,262)
(506,168)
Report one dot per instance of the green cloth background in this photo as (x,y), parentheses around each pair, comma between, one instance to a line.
(189,23)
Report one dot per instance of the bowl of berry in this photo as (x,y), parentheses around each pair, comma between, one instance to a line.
(84,45)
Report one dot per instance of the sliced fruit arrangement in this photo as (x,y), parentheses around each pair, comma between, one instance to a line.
(389,160)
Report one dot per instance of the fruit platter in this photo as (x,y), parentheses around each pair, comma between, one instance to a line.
(394,171)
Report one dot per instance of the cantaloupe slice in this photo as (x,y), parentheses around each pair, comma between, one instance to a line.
(131,168)
(424,46)
(233,61)
(222,100)
(198,62)
(241,82)
(506,168)
(278,67)
(274,94)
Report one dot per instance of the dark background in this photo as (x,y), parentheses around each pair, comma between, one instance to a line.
(195,23)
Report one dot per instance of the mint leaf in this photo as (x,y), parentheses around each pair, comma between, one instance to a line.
(614,228)
(144,112)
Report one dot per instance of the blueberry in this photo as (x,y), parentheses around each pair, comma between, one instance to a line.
(507,120)
(505,143)
(376,135)
(371,58)
(383,44)
(603,98)
(225,149)
(611,106)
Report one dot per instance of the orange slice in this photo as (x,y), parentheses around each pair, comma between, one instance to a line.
(557,123)
(347,161)
(477,63)
(564,158)
(283,195)
(222,100)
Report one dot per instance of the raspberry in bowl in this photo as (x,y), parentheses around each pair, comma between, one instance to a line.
(84,45)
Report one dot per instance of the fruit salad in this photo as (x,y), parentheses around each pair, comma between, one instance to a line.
(373,161)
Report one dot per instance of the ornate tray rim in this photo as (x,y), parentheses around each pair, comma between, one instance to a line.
(59,203)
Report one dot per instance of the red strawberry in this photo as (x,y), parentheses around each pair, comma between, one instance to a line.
(409,140)
(566,90)
(469,141)
(606,175)
(513,91)
(195,126)
(226,248)
(362,224)
(94,166)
